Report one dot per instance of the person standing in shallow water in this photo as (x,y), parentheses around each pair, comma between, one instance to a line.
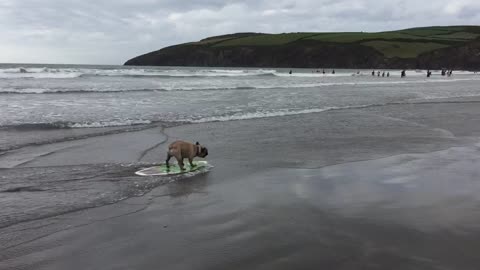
(373,72)
(403,73)
(290,72)
(388,74)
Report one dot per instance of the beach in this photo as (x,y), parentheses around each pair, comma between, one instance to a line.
(377,176)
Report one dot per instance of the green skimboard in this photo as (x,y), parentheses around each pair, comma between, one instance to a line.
(173,169)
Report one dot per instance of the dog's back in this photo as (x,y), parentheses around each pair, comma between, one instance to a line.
(182,149)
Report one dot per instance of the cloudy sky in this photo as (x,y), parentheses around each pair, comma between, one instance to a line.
(112,31)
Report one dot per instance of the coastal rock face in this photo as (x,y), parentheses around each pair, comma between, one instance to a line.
(456,47)
(463,57)
(297,56)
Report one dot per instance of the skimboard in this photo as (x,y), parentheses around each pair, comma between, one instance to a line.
(173,169)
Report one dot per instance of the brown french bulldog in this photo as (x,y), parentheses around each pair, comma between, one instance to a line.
(181,150)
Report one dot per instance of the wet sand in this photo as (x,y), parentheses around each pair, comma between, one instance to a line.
(386,187)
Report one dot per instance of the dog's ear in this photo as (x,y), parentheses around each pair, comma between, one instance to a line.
(197,143)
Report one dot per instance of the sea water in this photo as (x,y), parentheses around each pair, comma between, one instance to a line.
(68,96)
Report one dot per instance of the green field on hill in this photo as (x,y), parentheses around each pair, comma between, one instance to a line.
(403,49)
(408,43)
(265,39)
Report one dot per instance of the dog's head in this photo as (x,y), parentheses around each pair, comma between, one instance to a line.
(202,151)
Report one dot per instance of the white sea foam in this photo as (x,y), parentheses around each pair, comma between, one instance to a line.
(24,90)
(250,85)
(311,75)
(117,123)
(436,96)
(65,73)
(267,114)
(223,118)
(39,75)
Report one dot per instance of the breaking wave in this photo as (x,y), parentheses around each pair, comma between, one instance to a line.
(67,124)
(215,88)
(230,116)
(277,113)
(185,119)
(67,73)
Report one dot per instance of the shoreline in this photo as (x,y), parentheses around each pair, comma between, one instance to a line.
(74,133)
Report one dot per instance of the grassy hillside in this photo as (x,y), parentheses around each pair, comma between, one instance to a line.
(425,47)
(265,39)
(400,49)
(408,43)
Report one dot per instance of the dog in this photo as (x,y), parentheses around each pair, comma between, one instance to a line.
(181,150)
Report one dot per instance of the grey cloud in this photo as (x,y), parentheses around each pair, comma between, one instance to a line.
(101,31)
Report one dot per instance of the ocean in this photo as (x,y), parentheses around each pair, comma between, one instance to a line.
(308,170)
(60,96)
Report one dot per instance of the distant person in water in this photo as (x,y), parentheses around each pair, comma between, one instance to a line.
(373,72)
(429,73)
(290,72)
(388,74)
(383,74)
(323,71)
(378,73)
(333,71)
(443,72)
(403,73)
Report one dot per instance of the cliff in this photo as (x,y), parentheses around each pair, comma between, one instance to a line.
(455,47)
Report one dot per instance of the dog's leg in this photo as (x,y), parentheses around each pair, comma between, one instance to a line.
(168,159)
(191,162)
(180,163)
